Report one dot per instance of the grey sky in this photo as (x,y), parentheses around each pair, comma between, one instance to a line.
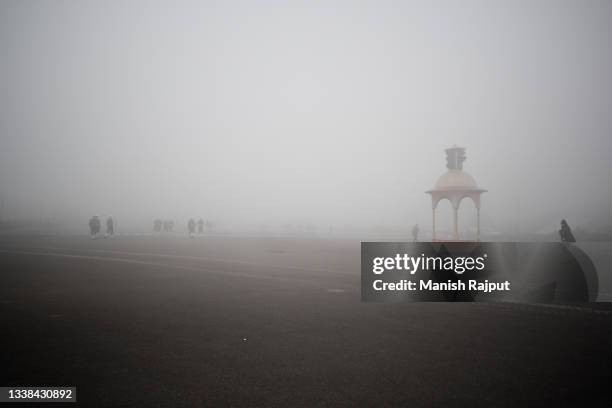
(328,112)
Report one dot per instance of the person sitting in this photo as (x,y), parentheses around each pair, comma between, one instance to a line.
(566,232)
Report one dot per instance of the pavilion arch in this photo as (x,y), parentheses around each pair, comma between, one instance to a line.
(467,219)
(444,219)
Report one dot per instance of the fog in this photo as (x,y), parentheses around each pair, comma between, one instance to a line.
(330,113)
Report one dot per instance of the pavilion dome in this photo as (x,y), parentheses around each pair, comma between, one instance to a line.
(456,180)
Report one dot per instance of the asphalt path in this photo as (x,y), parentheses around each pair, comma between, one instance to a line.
(220,321)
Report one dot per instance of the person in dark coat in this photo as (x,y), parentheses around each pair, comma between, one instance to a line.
(566,232)
(191,227)
(415,233)
(110,226)
(94,226)
(157,225)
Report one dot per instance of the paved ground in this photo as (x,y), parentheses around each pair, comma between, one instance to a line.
(150,321)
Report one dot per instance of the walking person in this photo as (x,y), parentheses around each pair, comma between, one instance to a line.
(157,225)
(415,233)
(191,227)
(110,226)
(94,226)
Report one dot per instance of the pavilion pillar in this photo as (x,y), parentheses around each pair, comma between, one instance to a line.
(456,222)
(478,223)
(433,224)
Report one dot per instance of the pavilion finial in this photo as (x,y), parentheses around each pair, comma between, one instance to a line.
(455,156)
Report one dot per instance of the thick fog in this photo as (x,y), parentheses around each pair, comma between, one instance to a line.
(325,113)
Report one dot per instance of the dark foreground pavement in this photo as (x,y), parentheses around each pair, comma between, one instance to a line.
(146,321)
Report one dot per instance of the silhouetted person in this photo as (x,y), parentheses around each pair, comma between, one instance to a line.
(200,226)
(566,232)
(191,227)
(110,226)
(415,233)
(157,225)
(94,226)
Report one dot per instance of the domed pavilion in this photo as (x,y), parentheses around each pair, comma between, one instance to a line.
(454,186)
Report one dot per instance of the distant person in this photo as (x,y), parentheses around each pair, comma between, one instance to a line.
(157,225)
(566,232)
(191,227)
(97,224)
(110,226)
(94,226)
(200,226)
(415,233)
